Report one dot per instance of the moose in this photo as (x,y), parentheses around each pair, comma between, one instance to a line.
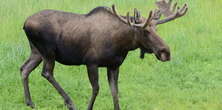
(100,38)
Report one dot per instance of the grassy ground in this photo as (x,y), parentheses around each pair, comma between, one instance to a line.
(191,81)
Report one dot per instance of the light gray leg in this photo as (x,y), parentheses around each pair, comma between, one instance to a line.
(93,78)
(113,74)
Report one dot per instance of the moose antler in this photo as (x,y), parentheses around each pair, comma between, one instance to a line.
(137,16)
(165,7)
(128,21)
(157,14)
(170,14)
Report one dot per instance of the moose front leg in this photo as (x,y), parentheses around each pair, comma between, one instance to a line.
(93,78)
(47,73)
(113,74)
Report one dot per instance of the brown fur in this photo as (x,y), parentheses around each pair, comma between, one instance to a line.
(96,39)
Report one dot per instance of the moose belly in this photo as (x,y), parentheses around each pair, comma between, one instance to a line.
(110,62)
(69,56)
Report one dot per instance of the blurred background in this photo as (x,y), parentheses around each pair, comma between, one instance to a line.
(192,80)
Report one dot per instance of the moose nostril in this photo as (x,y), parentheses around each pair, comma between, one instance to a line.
(164,55)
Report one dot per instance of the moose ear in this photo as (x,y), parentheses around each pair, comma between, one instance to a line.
(137,16)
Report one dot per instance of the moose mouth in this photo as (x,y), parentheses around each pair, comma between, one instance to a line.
(163,56)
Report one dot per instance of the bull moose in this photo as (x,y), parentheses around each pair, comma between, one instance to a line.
(100,38)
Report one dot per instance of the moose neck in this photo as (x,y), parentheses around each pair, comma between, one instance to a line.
(132,42)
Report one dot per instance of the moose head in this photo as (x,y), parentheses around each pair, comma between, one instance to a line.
(168,10)
(148,39)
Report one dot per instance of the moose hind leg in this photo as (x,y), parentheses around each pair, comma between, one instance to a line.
(47,73)
(113,74)
(33,61)
(93,78)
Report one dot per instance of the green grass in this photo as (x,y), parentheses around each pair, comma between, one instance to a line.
(192,80)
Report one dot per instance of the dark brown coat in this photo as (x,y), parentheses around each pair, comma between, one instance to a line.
(96,39)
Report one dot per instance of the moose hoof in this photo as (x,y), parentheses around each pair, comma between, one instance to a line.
(70,105)
(30,104)
(72,109)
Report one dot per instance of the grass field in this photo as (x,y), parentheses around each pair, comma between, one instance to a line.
(192,80)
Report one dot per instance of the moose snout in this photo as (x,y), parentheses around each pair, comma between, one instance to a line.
(163,55)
